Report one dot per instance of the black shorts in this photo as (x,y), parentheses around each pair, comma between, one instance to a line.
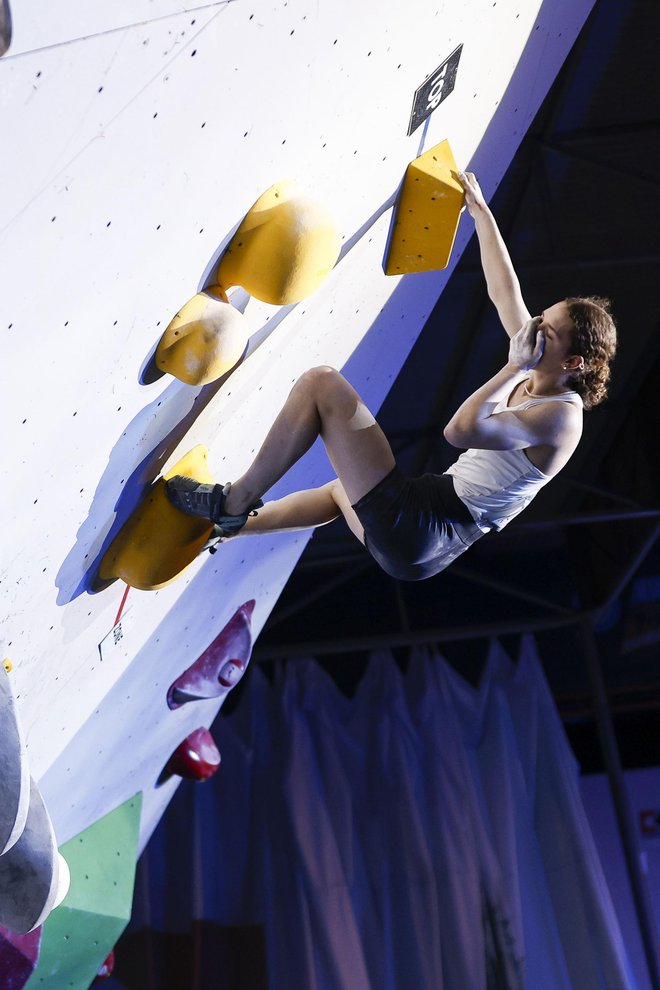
(415,527)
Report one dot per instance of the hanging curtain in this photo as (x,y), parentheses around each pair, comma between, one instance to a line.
(422,835)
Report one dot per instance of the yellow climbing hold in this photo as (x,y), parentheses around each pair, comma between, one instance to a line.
(157,541)
(427,214)
(8,665)
(206,338)
(285,247)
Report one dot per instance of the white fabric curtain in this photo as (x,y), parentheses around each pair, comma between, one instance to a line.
(423,835)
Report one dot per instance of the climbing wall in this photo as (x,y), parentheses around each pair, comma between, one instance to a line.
(135,138)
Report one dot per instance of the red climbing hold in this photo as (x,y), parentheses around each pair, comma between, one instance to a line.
(107,969)
(196,758)
(220,666)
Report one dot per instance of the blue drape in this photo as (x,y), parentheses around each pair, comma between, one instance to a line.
(422,835)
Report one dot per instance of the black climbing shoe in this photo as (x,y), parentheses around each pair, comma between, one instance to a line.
(207,501)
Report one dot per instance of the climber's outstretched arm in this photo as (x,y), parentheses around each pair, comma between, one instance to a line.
(501,279)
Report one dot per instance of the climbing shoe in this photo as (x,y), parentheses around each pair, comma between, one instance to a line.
(207,501)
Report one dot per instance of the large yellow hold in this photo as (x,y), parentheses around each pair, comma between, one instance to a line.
(427,214)
(204,341)
(285,247)
(157,541)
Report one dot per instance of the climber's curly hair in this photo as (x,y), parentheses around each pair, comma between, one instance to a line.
(594,338)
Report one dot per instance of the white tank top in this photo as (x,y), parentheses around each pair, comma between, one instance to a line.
(498,484)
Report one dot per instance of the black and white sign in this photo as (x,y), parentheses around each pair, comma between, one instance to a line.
(434,90)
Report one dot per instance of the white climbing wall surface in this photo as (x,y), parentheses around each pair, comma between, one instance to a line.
(135,136)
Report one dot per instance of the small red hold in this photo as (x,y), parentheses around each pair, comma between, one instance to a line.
(107,969)
(196,758)
(220,666)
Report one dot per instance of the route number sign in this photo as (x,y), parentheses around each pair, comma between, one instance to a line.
(434,90)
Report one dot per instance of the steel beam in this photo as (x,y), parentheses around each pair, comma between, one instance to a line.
(415,637)
(318,592)
(627,574)
(512,590)
(622,806)
(584,519)
(604,492)
(577,264)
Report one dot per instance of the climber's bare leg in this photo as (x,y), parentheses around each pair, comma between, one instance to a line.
(304,510)
(321,403)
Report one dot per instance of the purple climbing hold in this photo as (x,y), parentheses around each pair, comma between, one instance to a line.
(19,955)
(221,665)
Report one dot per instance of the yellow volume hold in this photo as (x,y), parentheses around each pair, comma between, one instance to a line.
(427,213)
(157,541)
(205,339)
(285,247)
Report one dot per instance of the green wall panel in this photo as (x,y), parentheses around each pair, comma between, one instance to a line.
(80,933)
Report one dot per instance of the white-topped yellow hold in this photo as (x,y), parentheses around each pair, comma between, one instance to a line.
(284,249)
(204,341)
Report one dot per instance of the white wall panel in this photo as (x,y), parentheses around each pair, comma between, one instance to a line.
(114,204)
(40,24)
(68,96)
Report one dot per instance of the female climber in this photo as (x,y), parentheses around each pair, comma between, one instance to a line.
(518,430)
